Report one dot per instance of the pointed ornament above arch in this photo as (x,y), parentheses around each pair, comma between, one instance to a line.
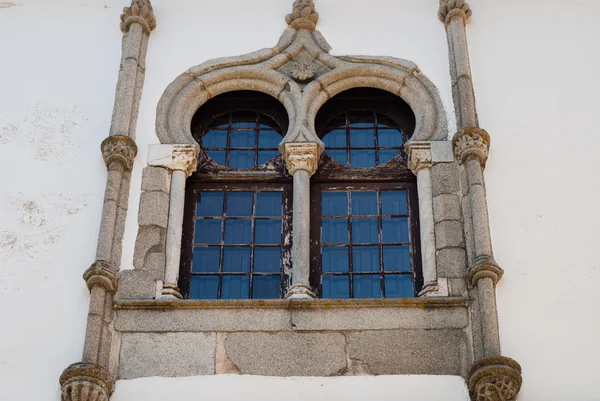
(302,75)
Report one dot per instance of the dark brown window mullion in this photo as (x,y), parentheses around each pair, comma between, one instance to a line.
(252,244)
(286,231)
(380,245)
(315,239)
(187,250)
(415,237)
(222,249)
(350,220)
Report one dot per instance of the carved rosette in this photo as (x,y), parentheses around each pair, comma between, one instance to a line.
(303,68)
(419,156)
(303,16)
(86,382)
(100,273)
(471,142)
(495,379)
(301,156)
(139,12)
(119,148)
(484,267)
(450,8)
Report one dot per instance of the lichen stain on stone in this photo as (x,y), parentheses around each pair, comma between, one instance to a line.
(8,4)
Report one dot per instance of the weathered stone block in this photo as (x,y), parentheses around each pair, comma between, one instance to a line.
(137,284)
(451,262)
(147,239)
(391,352)
(167,354)
(154,209)
(444,177)
(449,233)
(156,179)
(457,287)
(156,262)
(442,152)
(287,353)
(446,207)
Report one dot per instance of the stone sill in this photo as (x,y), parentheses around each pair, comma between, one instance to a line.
(165,304)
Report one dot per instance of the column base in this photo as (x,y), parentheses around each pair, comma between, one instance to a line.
(86,382)
(170,292)
(300,291)
(437,288)
(495,379)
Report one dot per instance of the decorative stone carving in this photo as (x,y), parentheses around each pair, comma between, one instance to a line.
(174,157)
(301,156)
(419,156)
(85,382)
(484,267)
(469,142)
(139,12)
(300,291)
(119,148)
(449,8)
(100,273)
(303,16)
(495,379)
(303,68)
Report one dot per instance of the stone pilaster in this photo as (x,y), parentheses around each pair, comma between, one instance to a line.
(302,161)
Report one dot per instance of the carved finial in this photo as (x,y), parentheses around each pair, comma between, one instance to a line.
(469,142)
(119,148)
(304,15)
(496,378)
(141,12)
(449,8)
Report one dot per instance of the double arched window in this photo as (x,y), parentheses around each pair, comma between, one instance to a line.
(237,227)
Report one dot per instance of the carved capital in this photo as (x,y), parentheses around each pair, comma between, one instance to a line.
(419,156)
(301,156)
(300,291)
(100,273)
(471,142)
(139,12)
(303,16)
(484,267)
(495,379)
(451,8)
(86,382)
(119,148)
(174,157)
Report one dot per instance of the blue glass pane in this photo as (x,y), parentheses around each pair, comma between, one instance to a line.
(362,158)
(339,156)
(236,260)
(365,231)
(365,258)
(215,139)
(235,287)
(398,286)
(266,287)
(210,204)
(393,202)
(387,155)
(267,232)
(204,287)
(269,203)
(364,203)
(207,232)
(249,123)
(335,231)
(241,159)
(335,260)
(268,139)
(267,260)
(334,204)
(362,138)
(335,139)
(368,286)
(206,260)
(218,156)
(239,204)
(395,230)
(396,258)
(243,139)
(335,287)
(265,156)
(238,232)
(390,138)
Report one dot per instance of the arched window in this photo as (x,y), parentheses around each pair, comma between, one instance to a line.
(364,228)
(236,241)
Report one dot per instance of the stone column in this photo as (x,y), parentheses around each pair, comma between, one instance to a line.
(492,377)
(182,160)
(301,161)
(420,162)
(91,378)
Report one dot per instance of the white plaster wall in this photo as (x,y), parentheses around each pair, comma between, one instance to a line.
(536,69)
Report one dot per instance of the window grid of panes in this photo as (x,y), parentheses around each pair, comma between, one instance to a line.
(242,140)
(237,248)
(365,244)
(363,139)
